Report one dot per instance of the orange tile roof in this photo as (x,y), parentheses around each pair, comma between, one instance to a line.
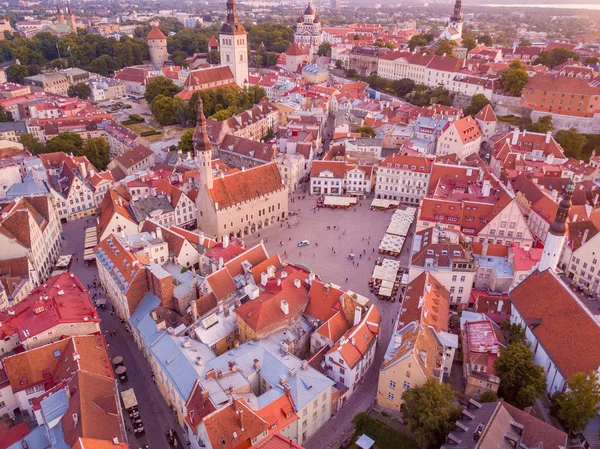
(91,443)
(559,321)
(239,187)
(198,406)
(426,301)
(334,327)
(50,364)
(278,414)
(324,301)
(467,128)
(487,114)
(208,77)
(277,441)
(266,310)
(360,338)
(224,430)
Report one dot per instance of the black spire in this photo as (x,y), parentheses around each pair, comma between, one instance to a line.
(231,25)
(558,226)
(201,139)
(457,14)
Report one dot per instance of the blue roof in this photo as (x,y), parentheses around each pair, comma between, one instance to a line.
(305,385)
(37,439)
(55,405)
(167,349)
(429,122)
(57,437)
(19,189)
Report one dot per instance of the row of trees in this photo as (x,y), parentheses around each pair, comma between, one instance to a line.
(431,410)
(88,51)
(96,149)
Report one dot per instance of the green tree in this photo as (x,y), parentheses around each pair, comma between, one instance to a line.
(545,58)
(81,90)
(562,55)
(356,37)
(521,380)
(255,95)
(338,64)
(403,86)
(488,396)
(515,78)
(66,142)
(16,73)
(445,47)
(524,43)
(571,141)
(469,43)
(485,39)
(186,143)
(31,144)
(418,40)
(160,86)
(178,57)
(430,412)
(442,96)
(578,404)
(592,60)
(324,49)
(478,102)
(351,73)
(365,131)
(543,125)
(166,110)
(5,116)
(213,57)
(97,152)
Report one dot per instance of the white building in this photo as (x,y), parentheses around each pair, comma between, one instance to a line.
(461,137)
(337,178)
(233,45)
(403,178)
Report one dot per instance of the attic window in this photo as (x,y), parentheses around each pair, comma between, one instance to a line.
(57,353)
(23,381)
(430,252)
(223,442)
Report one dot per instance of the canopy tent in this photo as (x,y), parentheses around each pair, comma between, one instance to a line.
(384,204)
(399,227)
(391,244)
(88,255)
(387,271)
(63,262)
(387,284)
(339,201)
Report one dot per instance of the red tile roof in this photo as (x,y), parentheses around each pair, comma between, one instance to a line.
(61,300)
(487,114)
(426,301)
(155,33)
(560,322)
(237,188)
(204,78)
(324,301)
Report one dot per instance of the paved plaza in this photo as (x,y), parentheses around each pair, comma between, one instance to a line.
(336,267)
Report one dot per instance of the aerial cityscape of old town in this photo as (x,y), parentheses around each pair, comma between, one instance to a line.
(303,224)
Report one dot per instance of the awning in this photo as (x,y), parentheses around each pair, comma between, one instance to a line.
(88,254)
(339,201)
(101,301)
(388,270)
(384,204)
(391,243)
(385,291)
(387,284)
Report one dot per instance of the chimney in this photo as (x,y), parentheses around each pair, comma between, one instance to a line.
(285,307)
(159,233)
(263,278)
(575,218)
(548,136)
(326,289)
(75,419)
(240,416)
(257,364)
(595,203)
(486,188)
(585,236)
(515,136)
(428,288)
(304,365)
(554,195)
(92,173)
(311,278)
(225,241)
(357,315)
(282,379)
(297,283)
(221,263)
(484,249)
(83,170)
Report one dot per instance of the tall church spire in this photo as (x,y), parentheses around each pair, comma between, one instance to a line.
(457,15)
(555,239)
(201,139)
(60,16)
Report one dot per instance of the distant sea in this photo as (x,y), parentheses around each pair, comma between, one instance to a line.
(545,6)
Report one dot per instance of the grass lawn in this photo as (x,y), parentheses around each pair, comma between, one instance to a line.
(139,127)
(385,438)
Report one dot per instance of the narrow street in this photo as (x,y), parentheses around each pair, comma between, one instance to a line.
(155,413)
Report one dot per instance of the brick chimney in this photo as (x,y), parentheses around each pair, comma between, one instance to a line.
(240,417)
(162,287)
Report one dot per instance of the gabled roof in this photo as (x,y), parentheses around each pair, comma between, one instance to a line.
(560,322)
(236,188)
(426,301)
(324,301)
(486,114)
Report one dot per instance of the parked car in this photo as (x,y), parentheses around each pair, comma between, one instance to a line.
(303,243)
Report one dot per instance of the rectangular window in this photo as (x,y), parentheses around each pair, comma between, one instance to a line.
(391,396)
(392,385)
(406,385)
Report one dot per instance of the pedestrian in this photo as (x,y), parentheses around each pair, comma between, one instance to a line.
(346,279)
(357,264)
(299,253)
(313,254)
(360,256)
(373,249)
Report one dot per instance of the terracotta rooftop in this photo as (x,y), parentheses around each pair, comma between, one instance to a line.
(560,322)
(155,33)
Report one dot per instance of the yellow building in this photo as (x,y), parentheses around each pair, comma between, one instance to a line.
(420,348)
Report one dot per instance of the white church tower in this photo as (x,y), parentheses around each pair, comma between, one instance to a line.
(454,29)
(555,239)
(233,45)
